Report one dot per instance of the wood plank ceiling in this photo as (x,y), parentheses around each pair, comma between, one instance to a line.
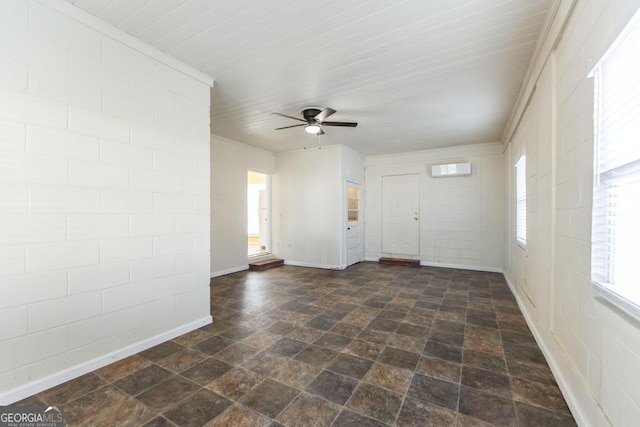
(414,74)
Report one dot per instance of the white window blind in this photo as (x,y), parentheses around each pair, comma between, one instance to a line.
(615,264)
(521,201)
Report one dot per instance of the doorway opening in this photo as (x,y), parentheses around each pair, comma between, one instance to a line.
(258,222)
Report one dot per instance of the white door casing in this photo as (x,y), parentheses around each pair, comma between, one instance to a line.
(354,213)
(401,214)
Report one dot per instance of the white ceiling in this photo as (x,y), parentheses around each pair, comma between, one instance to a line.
(414,74)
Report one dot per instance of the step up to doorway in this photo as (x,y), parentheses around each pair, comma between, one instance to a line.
(400,261)
(266,264)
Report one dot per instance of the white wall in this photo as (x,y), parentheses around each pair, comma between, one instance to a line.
(461,218)
(593,350)
(230,162)
(104,196)
(309,187)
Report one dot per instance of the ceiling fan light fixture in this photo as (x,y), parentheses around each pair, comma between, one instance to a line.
(312,129)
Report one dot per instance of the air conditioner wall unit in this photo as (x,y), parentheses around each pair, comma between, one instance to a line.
(451,170)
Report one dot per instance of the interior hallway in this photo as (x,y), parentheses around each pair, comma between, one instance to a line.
(368,346)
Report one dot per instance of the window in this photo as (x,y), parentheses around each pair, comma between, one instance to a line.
(521,201)
(615,229)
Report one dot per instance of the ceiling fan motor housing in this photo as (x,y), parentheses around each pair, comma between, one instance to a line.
(309,113)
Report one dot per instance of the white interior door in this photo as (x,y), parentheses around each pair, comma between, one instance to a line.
(354,246)
(401,214)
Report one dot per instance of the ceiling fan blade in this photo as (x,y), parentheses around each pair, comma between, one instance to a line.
(344,124)
(292,126)
(324,114)
(290,117)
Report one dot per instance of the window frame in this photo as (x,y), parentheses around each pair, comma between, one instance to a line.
(608,178)
(521,201)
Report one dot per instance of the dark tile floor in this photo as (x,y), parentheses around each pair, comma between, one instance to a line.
(368,346)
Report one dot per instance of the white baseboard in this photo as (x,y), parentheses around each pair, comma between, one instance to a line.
(312,265)
(456,266)
(229,271)
(579,414)
(58,378)
(461,267)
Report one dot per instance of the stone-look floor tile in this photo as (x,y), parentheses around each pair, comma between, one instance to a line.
(182,360)
(269,398)
(213,345)
(309,411)
(420,319)
(192,338)
(321,323)
(487,381)
(479,359)
(445,325)
(349,418)
(239,416)
(198,409)
(346,329)
(375,337)
(400,358)
(143,380)
(73,389)
(296,374)
(261,340)
(317,356)
(361,316)
(412,330)
(389,377)
(308,335)
(207,371)
(123,368)
(482,321)
(265,364)
(415,413)
(236,353)
(333,387)
(352,366)
(464,420)
(439,368)
(541,395)
(493,409)
(384,325)
(333,341)
(531,372)
(435,391)
(237,333)
(406,343)
(107,406)
(531,416)
(376,402)
(518,338)
(446,337)
(161,351)
(483,333)
(443,351)
(159,421)
(484,345)
(235,383)
(355,315)
(523,353)
(166,394)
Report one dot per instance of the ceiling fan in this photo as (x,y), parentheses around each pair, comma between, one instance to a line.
(313,118)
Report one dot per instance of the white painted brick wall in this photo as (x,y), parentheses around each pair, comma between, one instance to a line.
(596,350)
(103,187)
